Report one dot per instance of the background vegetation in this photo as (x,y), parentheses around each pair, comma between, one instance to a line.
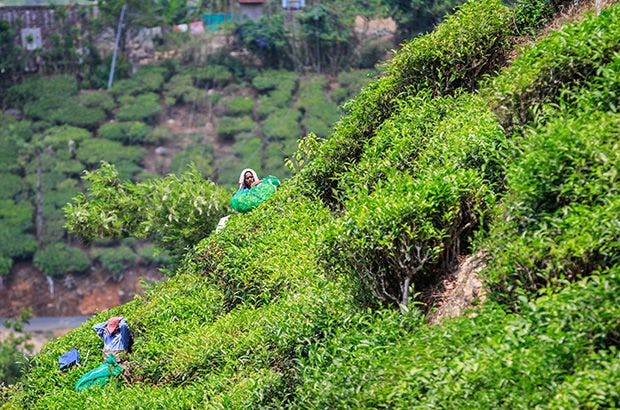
(322,295)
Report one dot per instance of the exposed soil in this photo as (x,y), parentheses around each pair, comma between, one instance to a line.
(71,295)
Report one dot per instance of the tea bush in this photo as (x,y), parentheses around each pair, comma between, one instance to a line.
(211,75)
(144,107)
(274,79)
(151,255)
(132,132)
(15,243)
(228,127)
(282,124)
(198,156)
(59,259)
(115,260)
(97,99)
(239,106)
(91,152)
(175,211)
(10,185)
(65,137)
(565,57)
(457,53)
(249,152)
(70,112)
(181,90)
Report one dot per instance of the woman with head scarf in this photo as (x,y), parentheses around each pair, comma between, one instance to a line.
(248,179)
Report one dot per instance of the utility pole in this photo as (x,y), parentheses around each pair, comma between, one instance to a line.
(116,44)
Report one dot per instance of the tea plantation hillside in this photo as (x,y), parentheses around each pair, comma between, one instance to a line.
(320,298)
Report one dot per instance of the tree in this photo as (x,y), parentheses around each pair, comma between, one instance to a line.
(416,17)
(176,211)
(10,55)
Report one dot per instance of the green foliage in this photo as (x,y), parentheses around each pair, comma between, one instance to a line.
(181,90)
(249,152)
(175,211)
(16,244)
(530,15)
(266,38)
(274,79)
(228,127)
(71,112)
(64,137)
(418,17)
(10,185)
(91,152)
(50,91)
(132,132)
(151,255)
(198,156)
(564,57)
(59,259)
(282,124)
(239,106)
(455,55)
(211,76)
(14,349)
(5,266)
(144,107)
(115,260)
(97,99)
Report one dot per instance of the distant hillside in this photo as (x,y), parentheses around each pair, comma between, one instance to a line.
(467,147)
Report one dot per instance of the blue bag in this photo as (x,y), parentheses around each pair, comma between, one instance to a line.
(69,359)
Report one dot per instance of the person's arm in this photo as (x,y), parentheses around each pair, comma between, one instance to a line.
(258,181)
(99,328)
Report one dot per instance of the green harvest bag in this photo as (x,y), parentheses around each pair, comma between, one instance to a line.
(99,376)
(248,199)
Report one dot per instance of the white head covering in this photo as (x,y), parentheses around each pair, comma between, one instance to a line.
(242,176)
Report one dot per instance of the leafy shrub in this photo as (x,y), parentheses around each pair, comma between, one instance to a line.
(93,151)
(274,79)
(16,244)
(97,99)
(211,75)
(151,255)
(182,91)
(530,15)
(115,260)
(5,265)
(198,156)
(250,152)
(175,211)
(59,259)
(455,55)
(282,124)
(16,214)
(561,205)
(564,57)
(132,132)
(10,185)
(65,137)
(72,113)
(144,107)
(228,127)
(147,79)
(159,135)
(371,52)
(52,89)
(239,106)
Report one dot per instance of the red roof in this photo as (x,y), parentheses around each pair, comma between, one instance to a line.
(251,1)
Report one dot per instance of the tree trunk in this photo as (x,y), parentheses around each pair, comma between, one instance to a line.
(39,211)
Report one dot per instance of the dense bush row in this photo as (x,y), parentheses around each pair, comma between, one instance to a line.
(267,313)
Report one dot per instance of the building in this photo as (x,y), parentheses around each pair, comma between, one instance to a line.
(293,4)
(251,9)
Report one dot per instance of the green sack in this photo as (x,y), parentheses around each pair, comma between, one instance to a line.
(247,199)
(99,376)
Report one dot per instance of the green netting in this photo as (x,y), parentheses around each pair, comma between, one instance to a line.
(248,199)
(99,376)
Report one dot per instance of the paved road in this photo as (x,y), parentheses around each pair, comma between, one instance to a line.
(52,323)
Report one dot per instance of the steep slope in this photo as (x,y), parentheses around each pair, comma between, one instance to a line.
(296,303)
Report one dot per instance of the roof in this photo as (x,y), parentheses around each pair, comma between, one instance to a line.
(251,1)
